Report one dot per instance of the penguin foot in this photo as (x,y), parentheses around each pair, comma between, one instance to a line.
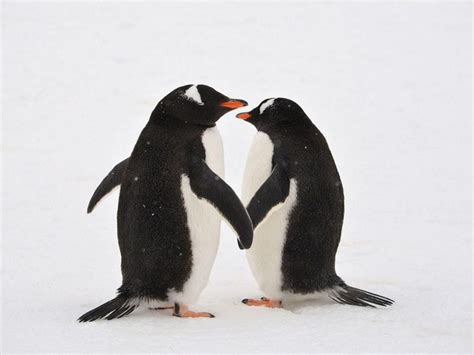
(182,311)
(262,302)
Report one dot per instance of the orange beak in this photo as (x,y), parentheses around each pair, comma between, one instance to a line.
(244,115)
(233,104)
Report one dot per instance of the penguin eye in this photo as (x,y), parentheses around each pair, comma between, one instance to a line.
(266,105)
(192,94)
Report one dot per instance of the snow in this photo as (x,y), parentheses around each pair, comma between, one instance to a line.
(389,84)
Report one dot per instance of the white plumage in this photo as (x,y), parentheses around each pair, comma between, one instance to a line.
(203,223)
(265,255)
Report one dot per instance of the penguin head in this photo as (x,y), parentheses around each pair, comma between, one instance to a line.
(273,111)
(197,104)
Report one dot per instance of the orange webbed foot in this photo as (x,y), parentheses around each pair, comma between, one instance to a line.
(182,311)
(262,302)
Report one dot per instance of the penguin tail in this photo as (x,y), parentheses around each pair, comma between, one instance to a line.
(345,294)
(116,308)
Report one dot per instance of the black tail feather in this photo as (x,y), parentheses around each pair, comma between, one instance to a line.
(116,308)
(354,296)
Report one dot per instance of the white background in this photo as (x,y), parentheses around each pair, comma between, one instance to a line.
(389,84)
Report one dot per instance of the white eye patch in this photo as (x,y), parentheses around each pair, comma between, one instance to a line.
(193,94)
(266,105)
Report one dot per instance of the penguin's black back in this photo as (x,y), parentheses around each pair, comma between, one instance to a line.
(153,235)
(315,223)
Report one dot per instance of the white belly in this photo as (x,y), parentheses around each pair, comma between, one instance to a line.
(203,224)
(265,255)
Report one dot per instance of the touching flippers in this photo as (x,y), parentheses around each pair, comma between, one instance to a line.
(116,308)
(112,180)
(356,297)
(273,192)
(208,185)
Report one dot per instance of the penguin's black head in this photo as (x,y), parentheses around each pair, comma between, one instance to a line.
(197,104)
(273,111)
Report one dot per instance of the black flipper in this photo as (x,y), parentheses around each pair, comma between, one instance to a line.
(345,294)
(273,191)
(206,184)
(116,308)
(113,179)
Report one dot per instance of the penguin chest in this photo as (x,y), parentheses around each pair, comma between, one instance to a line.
(203,223)
(265,255)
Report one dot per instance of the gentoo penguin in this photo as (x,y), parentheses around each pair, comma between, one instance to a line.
(170,198)
(295,199)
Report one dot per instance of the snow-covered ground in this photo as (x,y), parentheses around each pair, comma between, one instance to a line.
(389,84)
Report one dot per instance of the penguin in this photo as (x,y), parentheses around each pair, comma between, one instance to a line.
(294,196)
(171,196)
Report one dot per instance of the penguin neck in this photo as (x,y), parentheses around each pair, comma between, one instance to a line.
(277,128)
(169,120)
(285,126)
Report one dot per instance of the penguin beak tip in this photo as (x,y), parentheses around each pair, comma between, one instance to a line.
(234,103)
(244,115)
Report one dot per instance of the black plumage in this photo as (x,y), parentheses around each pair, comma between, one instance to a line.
(153,232)
(300,152)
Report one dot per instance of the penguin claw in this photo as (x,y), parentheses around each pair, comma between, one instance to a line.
(262,302)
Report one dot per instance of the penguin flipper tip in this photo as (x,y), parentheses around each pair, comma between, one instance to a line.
(108,184)
(92,203)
